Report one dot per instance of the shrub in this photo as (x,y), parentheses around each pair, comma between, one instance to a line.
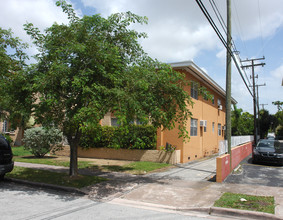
(8,138)
(132,137)
(39,141)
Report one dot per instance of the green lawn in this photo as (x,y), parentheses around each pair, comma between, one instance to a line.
(50,160)
(61,179)
(139,167)
(252,203)
(20,151)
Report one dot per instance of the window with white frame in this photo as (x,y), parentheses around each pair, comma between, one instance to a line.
(194,127)
(5,126)
(194,90)
(213,124)
(219,129)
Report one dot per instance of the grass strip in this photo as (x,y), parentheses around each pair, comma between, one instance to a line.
(137,168)
(246,202)
(61,179)
(50,161)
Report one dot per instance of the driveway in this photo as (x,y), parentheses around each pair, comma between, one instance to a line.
(200,170)
(259,174)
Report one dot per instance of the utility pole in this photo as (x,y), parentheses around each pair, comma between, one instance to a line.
(228,81)
(252,65)
(262,105)
(258,118)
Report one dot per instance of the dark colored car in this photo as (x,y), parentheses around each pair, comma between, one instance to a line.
(6,155)
(270,151)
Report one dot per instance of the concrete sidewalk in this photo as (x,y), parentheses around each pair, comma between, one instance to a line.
(184,189)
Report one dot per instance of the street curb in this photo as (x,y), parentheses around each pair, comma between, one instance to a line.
(46,185)
(231,212)
(243,213)
(212,211)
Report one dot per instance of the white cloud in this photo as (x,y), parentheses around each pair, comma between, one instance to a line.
(277,73)
(176,31)
(43,13)
(254,18)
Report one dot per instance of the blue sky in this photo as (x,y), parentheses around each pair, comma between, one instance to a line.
(178,31)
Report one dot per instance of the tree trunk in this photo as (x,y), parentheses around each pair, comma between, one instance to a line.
(73,159)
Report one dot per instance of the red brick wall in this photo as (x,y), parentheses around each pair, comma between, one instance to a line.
(223,162)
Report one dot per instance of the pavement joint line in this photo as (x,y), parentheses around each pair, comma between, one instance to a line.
(155,207)
(46,185)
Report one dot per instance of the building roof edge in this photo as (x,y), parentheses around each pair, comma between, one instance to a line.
(198,71)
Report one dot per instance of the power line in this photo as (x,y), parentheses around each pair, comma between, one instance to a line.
(239,26)
(221,21)
(260,26)
(212,23)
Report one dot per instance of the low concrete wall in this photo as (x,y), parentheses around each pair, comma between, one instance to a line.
(223,162)
(125,154)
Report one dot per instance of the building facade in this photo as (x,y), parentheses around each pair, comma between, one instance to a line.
(207,124)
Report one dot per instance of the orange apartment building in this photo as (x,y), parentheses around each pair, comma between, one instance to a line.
(207,125)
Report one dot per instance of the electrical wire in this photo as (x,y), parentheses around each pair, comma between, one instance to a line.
(212,23)
(221,21)
(238,25)
(224,27)
(260,27)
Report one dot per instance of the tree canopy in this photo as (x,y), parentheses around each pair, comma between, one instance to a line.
(242,122)
(94,65)
(15,95)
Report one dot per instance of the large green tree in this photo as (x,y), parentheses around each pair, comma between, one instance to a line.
(242,122)
(16,99)
(94,65)
(265,120)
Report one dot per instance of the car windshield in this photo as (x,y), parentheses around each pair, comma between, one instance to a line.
(266,143)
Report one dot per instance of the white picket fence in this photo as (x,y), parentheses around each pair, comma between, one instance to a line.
(235,141)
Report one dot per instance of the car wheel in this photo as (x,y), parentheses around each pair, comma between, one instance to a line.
(2,176)
(254,161)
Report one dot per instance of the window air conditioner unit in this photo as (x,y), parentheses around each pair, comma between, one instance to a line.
(203,123)
(224,128)
(220,107)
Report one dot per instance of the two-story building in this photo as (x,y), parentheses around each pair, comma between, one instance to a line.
(207,125)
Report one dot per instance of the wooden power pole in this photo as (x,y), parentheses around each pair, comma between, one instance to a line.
(228,82)
(252,65)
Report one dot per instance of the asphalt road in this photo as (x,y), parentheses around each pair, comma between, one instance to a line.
(23,202)
(260,174)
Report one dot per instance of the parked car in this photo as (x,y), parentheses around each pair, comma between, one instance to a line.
(270,137)
(267,150)
(6,155)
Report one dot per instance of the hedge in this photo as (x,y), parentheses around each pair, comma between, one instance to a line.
(132,137)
